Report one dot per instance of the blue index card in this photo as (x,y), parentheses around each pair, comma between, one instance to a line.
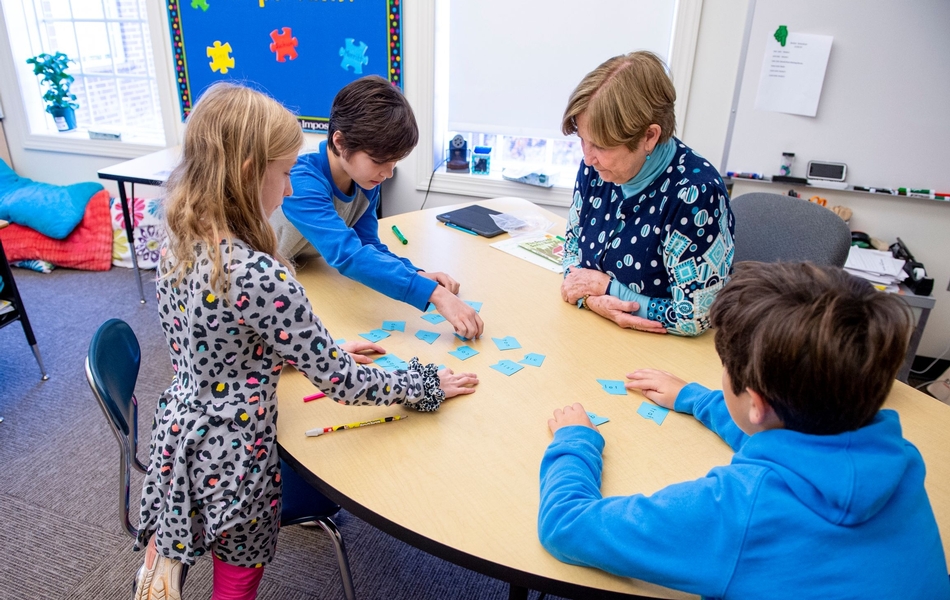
(434,318)
(339,341)
(613,387)
(508,367)
(375,335)
(476,305)
(463,352)
(394,326)
(532,359)
(464,339)
(391,362)
(506,343)
(597,420)
(653,412)
(427,336)
(440,367)
(430,308)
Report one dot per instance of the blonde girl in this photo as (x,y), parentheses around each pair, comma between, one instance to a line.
(233,314)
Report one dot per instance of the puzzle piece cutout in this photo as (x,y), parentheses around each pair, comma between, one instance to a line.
(653,412)
(284,44)
(463,352)
(476,305)
(508,367)
(394,326)
(220,56)
(391,362)
(375,335)
(613,387)
(427,336)
(506,343)
(203,5)
(354,55)
(596,420)
(434,318)
(461,337)
(532,359)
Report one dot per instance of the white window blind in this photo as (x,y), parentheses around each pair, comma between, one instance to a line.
(513,65)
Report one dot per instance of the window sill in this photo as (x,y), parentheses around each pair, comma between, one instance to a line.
(78,142)
(493,186)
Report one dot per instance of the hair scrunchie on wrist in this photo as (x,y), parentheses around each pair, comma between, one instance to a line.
(432,394)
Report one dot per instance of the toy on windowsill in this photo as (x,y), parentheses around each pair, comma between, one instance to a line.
(481,160)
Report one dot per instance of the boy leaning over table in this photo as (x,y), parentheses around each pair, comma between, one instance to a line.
(823,498)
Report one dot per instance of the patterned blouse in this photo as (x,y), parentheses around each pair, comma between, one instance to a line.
(213,480)
(671,242)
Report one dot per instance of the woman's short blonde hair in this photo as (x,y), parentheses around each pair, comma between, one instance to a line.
(214,193)
(621,98)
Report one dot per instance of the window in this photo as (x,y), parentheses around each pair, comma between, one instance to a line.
(110,45)
(504,71)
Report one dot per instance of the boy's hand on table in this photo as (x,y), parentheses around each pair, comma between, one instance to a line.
(619,311)
(358,348)
(457,384)
(463,317)
(659,386)
(583,282)
(443,279)
(570,415)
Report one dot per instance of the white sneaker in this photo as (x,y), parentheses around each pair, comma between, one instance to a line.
(161,582)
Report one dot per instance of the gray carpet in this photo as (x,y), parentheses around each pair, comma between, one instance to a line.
(59,528)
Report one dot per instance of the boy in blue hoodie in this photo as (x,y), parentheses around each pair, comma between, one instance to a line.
(823,498)
(332,211)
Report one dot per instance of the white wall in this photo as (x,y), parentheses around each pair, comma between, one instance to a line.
(924,225)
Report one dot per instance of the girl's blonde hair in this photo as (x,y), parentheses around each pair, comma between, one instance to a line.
(622,97)
(214,193)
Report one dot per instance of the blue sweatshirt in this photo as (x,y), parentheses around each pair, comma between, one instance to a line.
(357,253)
(792,516)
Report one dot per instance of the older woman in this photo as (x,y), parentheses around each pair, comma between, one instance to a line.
(650,234)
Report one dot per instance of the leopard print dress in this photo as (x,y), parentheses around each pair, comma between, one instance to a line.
(213,479)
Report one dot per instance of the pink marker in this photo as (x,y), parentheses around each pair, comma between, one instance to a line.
(316,396)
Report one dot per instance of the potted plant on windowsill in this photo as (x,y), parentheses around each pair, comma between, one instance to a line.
(51,69)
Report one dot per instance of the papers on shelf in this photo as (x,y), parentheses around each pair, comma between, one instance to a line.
(877,266)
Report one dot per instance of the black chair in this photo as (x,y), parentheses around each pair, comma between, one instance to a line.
(15,310)
(112,367)
(773,228)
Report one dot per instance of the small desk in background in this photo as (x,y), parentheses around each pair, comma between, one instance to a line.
(151,169)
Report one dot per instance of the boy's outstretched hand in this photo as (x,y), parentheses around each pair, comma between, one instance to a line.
(570,415)
(659,386)
(358,348)
(463,317)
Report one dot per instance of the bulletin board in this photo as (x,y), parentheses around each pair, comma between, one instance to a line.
(301,52)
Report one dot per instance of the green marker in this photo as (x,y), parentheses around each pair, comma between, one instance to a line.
(400,236)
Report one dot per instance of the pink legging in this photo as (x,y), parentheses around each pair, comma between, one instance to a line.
(235,583)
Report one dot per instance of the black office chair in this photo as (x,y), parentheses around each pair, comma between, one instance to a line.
(112,367)
(773,228)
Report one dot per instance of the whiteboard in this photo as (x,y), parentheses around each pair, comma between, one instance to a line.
(885,103)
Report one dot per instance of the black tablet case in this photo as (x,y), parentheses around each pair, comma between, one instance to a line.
(475,218)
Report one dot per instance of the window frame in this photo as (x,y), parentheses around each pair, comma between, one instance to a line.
(433,127)
(17,123)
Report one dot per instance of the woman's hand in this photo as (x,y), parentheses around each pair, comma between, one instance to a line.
(583,282)
(619,311)
(358,348)
(659,386)
(463,317)
(570,415)
(456,384)
(443,279)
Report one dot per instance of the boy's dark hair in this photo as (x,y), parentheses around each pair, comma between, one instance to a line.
(821,346)
(374,117)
